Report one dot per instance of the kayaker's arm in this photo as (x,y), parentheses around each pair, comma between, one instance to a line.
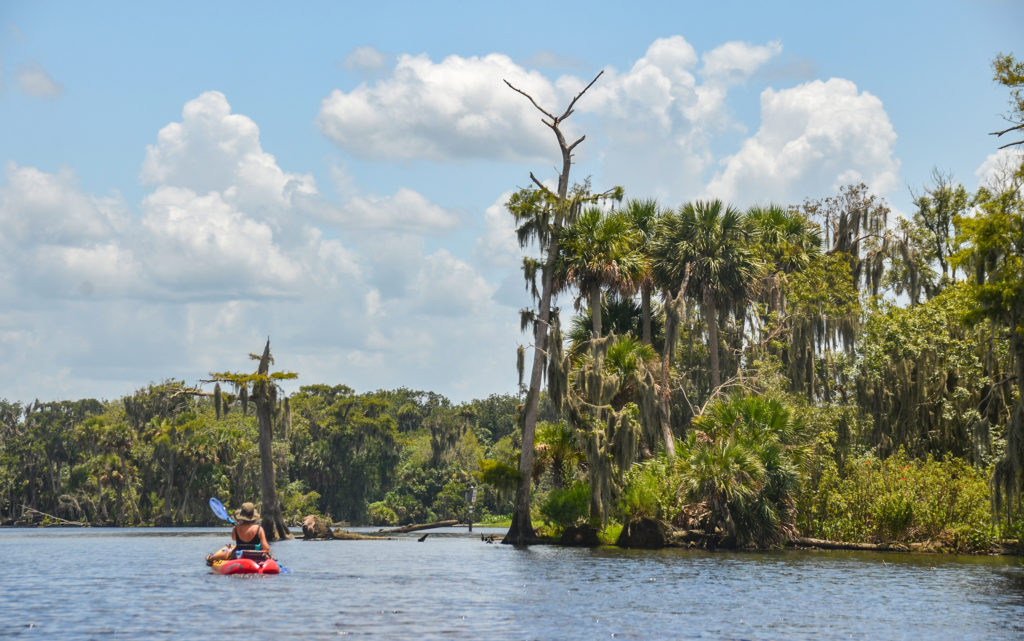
(263,542)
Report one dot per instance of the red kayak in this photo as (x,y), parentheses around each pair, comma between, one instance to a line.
(248,562)
(246,566)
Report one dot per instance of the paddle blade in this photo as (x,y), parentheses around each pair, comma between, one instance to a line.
(219,509)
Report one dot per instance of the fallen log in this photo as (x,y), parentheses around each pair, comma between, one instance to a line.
(315,528)
(687,538)
(804,541)
(25,508)
(343,535)
(415,528)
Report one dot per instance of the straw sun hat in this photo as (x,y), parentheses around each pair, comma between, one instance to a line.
(247,514)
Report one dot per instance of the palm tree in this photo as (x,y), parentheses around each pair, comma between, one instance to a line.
(643,215)
(599,250)
(557,452)
(787,242)
(709,242)
(740,463)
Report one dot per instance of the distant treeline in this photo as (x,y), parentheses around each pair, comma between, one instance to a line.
(156,457)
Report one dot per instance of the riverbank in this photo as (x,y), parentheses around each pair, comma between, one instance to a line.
(642,534)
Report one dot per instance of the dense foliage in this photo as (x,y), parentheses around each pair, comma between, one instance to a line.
(156,457)
(823,369)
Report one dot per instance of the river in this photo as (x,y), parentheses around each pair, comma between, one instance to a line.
(151,583)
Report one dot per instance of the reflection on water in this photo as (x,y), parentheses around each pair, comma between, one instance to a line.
(93,583)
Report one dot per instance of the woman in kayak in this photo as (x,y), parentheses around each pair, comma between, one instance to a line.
(247,534)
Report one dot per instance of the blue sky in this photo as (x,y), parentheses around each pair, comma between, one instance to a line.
(181,181)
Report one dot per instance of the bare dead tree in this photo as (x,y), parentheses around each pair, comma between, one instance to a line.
(521,531)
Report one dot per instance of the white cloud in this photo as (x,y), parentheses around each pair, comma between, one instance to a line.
(660,122)
(102,271)
(365,59)
(57,239)
(813,139)
(37,207)
(998,166)
(406,210)
(203,244)
(456,109)
(447,286)
(33,80)
(498,246)
(737,61)
(374,289)
(203,272)
(212,149)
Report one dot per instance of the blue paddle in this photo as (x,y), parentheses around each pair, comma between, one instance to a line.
(222,513)
(219,510)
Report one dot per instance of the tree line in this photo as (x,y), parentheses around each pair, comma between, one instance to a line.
(821,369)
(156,456)
(779,342)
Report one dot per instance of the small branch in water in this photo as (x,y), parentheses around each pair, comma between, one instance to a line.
(25,508)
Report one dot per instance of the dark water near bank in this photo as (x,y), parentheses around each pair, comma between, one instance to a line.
(152,583)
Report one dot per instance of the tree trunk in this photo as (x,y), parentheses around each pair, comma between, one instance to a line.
(521,531)
(675,311)
(595,309)
(169,488)
(711,318)
(645,314)
(273,523)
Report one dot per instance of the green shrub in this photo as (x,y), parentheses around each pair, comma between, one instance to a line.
(893,514)
(944,502)
(567,507)
(380,514)
(648,492)
(297,501)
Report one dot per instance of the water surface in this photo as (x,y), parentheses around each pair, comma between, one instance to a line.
(136,583)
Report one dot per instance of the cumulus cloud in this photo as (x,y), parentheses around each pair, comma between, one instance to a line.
(212,149)
(204,270)
(373,289)
(814,137)
(455,109)
(33,80)
(201,243)
(660,121)
(41,208)
(57,238)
